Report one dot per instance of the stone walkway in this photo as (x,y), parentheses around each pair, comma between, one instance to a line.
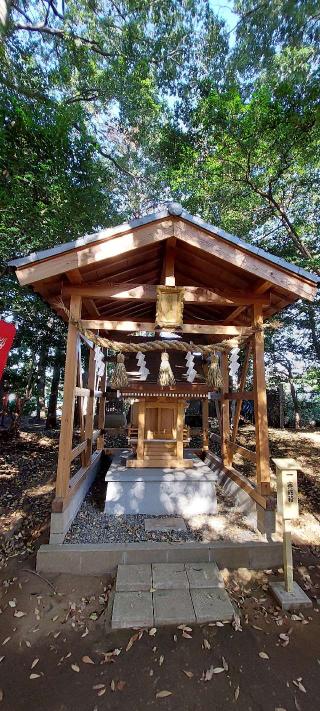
(169,594)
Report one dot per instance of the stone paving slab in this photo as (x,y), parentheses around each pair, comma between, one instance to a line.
(165,523)
(169,576)
(204,575)
(173,607)
(132,609)
(211,605)
(134,578)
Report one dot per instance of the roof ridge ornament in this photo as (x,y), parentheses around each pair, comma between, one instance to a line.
(174,208)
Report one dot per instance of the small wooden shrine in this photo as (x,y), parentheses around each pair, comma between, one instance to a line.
(166,285)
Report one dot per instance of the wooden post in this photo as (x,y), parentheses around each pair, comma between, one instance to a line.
(260,405)
(287,556)
(225,413)
(70,374)
(180,421)
(102,409)
(243,379)
(205,424)
(141,429)
(90,406)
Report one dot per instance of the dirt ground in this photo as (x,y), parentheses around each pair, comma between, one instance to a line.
(57,652)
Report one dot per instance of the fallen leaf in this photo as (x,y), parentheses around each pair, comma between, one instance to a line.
(99,686)
(264,655)
(186,635)
(102,691)
(161,660)
(85,632)
(219,624)
(93,616)
(153,631)
(27,643)
(5,641)
(34,663)
(163,694)
(75,667)
(132,640)
(113,685)
(12,603)
(120,685)
(87,660)
(185,628)
(206,644)
(225,664)
(1,659)
(34,676)
(19,613)
(189,674)
(236,693)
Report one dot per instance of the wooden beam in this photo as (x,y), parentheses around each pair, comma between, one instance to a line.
(239,396)
(243,379)
(205,424)
(102,409)
(167,275)
(65,443)
(102,249)
(225,412)
(90,407)
(246,453)
(243,259)
(148,292)
(260,409)
(127,325)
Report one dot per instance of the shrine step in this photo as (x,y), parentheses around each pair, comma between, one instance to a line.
(169,594)
(160,490)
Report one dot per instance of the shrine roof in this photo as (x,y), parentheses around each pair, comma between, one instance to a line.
(116,272)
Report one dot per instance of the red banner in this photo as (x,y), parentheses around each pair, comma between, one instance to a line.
(7,334)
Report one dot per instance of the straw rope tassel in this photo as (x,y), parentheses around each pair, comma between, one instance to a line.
(166,376)
(214,377)
(119,379)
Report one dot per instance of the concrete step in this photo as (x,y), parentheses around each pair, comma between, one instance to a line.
(169,593)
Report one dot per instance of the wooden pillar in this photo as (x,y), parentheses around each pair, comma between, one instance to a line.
(225,412)
(102,409)
(180,422)
(260,405)
(141,429)
(90,406)
(70,374)
(242,388)
(205,424)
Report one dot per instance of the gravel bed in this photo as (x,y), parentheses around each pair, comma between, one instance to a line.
(92,525)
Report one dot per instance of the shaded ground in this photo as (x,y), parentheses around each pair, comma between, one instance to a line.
(55,645)
(64,626)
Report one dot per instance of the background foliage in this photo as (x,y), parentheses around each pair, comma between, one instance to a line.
(108,109)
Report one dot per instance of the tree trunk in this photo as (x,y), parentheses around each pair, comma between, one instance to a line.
(295,401)
(313,328)
(51,421)
(41,381)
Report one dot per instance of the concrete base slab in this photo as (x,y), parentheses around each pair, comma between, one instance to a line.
(295,600)
(132,609)
(204,575)
(173,607)
(168,523)
(169,576)
(212,605)
(134,578)
(102,558)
